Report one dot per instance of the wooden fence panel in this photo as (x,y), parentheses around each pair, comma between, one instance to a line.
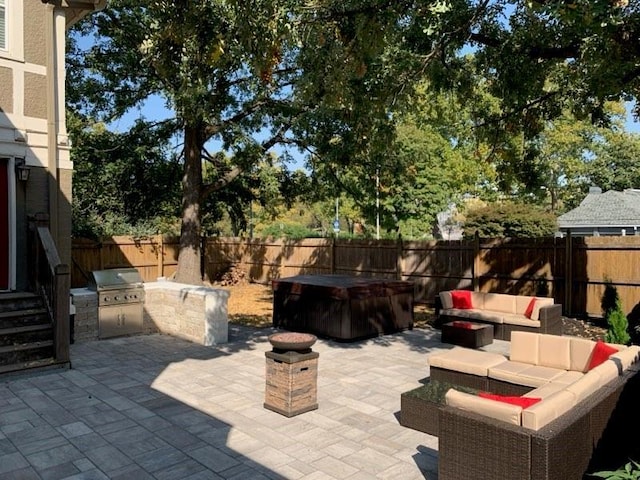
(601,261)
(376,258)
(85,258)
(575,272)
(520,266)
(220,253)
(434,266)
(269,259)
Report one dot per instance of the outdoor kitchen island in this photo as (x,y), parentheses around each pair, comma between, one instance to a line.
(342,307)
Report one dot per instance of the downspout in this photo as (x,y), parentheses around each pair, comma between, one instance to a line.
(52,123)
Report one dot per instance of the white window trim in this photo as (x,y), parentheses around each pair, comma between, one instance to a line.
(14,30)
(4,19)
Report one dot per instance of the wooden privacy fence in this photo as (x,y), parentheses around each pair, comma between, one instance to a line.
(573,270)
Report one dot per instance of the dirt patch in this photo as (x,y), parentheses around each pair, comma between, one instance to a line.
(251,304)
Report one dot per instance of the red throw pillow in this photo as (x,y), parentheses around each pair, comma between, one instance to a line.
(462,324)
(523,402)
(529,311)
(601,352)
(461,299)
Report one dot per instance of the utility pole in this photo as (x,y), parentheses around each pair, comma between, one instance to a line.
(378,203)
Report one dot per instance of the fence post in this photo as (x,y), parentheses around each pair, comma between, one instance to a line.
(399,258)
(101,253)
(160,242)
(203,258)
(568,274)
(476,263)
(332,255)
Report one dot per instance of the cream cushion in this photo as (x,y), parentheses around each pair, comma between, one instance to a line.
(485,316)
(537,416)
(473,314)
(607,370)
(514,319)
(626,356)
(545,390)
(498,302)
(554,351)
(568,377)
(589,383)
(522,303)
(524,373)
(466,360)
(524,347)
(491,408)
(477,300)
(446,300)
(540,302)
(581,349)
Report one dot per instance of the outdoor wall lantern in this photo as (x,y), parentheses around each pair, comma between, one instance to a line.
(22,170)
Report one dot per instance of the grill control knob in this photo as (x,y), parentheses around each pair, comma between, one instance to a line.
(106,299)
(116,298)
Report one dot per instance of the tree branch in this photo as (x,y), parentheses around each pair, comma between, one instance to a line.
(533,51)
(237,170)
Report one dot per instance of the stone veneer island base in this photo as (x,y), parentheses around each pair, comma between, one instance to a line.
(194,313)
(197,314)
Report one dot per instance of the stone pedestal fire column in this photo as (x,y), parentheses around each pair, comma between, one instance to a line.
(291,374)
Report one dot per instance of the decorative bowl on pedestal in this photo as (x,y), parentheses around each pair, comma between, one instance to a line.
(295,341)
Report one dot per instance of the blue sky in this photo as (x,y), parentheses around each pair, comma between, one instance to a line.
(155,109)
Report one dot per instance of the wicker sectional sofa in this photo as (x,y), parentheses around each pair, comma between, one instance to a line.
(507,313)
(573,429)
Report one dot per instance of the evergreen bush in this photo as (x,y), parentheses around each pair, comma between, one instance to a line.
(618,326)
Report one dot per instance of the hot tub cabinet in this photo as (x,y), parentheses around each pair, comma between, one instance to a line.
(342,307)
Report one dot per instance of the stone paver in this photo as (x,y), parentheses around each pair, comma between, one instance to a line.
(158,407)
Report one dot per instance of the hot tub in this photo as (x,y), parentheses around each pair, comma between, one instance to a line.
(342,307)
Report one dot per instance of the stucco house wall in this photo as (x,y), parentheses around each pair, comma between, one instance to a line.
(32,122)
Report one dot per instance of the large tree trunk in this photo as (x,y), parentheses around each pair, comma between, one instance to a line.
(189,256)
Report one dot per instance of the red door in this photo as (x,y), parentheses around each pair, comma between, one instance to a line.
(4,225)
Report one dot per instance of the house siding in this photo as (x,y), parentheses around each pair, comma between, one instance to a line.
(6,92)
(35,18)
(64,215)
(35,95)
(37,191)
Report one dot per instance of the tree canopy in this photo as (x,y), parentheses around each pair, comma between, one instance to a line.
(334,79)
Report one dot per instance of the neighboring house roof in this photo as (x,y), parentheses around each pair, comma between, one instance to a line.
(608,209)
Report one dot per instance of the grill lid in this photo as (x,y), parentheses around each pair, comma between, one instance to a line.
(114,278)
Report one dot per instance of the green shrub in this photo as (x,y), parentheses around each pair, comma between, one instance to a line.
(618,326)
(287,230)
(509,219)
(631,471)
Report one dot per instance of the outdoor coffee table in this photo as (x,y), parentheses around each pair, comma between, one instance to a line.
(467,334)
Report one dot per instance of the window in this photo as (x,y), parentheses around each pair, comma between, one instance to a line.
(3,26)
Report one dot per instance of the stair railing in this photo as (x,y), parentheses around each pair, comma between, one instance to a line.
(51,279)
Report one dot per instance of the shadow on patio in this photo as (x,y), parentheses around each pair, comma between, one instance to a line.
(160,407)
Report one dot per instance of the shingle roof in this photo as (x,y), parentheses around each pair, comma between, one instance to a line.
(611,208)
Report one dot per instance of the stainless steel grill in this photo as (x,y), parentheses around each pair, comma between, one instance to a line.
(120,301)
